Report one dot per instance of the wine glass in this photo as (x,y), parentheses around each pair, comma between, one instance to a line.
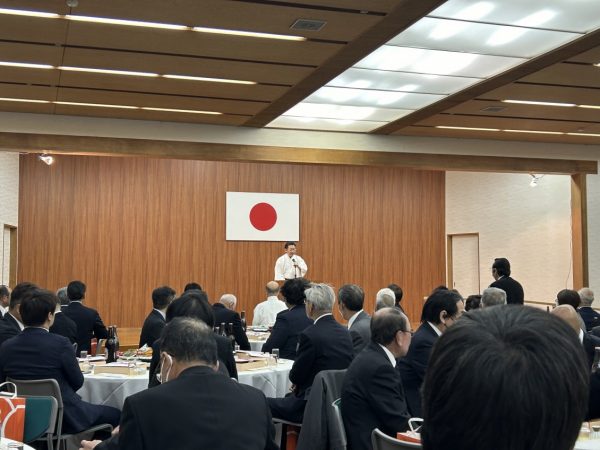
(275,354)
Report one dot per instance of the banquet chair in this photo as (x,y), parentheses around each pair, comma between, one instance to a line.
(40,419)
(382,441)
(50,388)
(339,421)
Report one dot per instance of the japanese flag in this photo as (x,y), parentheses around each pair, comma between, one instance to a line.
(259,216)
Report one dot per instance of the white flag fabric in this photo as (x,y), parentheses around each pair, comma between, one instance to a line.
(261,216)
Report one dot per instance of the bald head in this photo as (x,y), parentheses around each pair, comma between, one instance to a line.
(569,315)
(229,300)
(272,288)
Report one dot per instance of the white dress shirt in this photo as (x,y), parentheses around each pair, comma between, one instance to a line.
(285,270)
(353,318)
(436,329)
(3,310)
(21,326)
(389,354)
(266,312)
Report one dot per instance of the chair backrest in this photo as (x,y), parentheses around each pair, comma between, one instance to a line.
(40,417)
(47,387)
(339,421)
(382,441)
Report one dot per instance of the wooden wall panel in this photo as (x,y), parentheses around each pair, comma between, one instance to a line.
(127,225)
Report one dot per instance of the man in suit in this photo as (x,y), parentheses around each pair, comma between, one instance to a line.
(496,379)
(37,354)
(197,406)
(225,313)
(493,297)
(4,300)
(63,325)
(289,323)
(89,323)
(325,345)
(351,299)
(385,298)
(588,341)
(590,317)
(155,322)
(441,310)
(513,289)
(11,323)
(372,394)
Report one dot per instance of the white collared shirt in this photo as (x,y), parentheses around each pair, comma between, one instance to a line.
(21,326)
(353,318)
(265,313)
(3,310)
(285,270)
(436,329)
(320,317)
(161,313)
(389,354)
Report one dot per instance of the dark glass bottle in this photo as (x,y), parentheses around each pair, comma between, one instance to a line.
(243,318)
(230,334)
(111,346)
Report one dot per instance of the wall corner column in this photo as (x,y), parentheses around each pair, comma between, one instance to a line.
(579,231)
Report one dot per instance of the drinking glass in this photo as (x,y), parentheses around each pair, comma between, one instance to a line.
(83,354)
(275,354)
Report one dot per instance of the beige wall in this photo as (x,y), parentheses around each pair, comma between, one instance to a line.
(9,206)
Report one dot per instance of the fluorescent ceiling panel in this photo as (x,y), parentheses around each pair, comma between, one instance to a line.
(401,81)
(303,123)
(342,112)
(461,36)
(562,15)
(367,97)
(389,57)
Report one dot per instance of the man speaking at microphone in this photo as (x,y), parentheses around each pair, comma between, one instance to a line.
(289,265)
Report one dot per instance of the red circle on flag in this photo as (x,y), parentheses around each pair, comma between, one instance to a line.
(263,216)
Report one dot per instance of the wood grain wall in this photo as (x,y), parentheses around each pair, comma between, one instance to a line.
(127,225)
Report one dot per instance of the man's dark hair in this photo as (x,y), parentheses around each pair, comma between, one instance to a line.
(352,297)
(502,267)
(515,364)
(473,302)
(4,292)
(192,304)
(192,287)
(438,301)
(293,290)
(397,292)
(162,296)
(568,297)
(76,290)
(288,243)
(385,323)
(36,305)
(19,293)
(189,340)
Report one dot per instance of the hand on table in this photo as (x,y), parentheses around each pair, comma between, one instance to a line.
(89,445)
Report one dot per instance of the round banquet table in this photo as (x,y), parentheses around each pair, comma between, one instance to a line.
(272,381)
(5,441)
(590,444)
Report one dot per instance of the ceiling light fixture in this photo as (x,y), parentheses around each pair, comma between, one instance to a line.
(208,79)
(192,111)
(108,71)
(589,106)
(22,12)
(46,159)
(98,105)
(125,22)
(254,34)
(25,65)
(467,128)
(584,134)
(530,102)
(534,131)
(24,100)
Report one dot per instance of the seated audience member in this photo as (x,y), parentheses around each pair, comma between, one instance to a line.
(4,300)
(593,411)
(37,354)
(372,393)
(192,286)
(195,407)
(570,297)
(398,294)
(89,323)
(11,323)
(351,298)
(473,302)
(590,317)
(266,312)
(385,298)
(505,378)
(63,297)
(441,310)
(325,345)
(194,304)
(289,324)
(225,313)
(588,341)
(513,289)
(155,322)
(493,297)
(63,325)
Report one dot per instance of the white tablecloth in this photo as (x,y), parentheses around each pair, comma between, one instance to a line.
(111,389)
(255,345)
(6,441)
(592,444)
(274,382)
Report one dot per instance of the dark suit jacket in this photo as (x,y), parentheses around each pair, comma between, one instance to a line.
(37,354)
(326,345)
(224,315)
(594,399)
(64,326)
(360,332)
(590,342)
(200,409)
(590,317)
(413,366)
(224,353)
(372,397)
(8,328)
(284,335)
(153,326)
(513,289)
(89,324)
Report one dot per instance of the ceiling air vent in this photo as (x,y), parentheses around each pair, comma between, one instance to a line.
(308,25)
(494,109)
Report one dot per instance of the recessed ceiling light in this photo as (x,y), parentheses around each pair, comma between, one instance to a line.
(254,34)
(108,71)
(24,100)
(474,12)
(98,105)
(589,106)
(22,12)
(125,22)
(528,102)
(584,134)
(25,65)
(467,128)
(534,131)
(212,80)
(191,111)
